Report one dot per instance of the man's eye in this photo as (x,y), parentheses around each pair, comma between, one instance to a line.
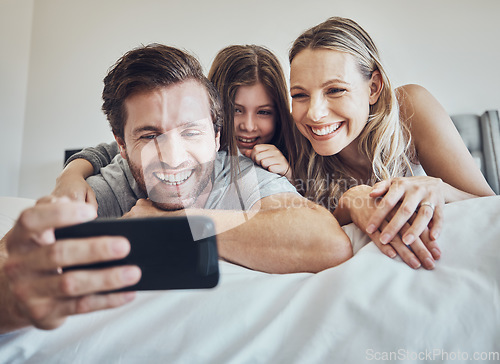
(191,133)
(148,137)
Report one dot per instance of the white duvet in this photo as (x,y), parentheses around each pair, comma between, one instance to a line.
(369,309)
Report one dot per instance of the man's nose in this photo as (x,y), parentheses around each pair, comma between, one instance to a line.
(170,150)
(318,108)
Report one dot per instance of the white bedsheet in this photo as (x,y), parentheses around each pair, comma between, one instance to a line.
(369,309)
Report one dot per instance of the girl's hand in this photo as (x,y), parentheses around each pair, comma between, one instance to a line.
(270,158)
(421,197)
(71,183)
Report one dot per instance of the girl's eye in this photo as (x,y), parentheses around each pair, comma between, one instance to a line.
(237,111)
(265,112)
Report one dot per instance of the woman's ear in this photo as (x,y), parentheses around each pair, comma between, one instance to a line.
(376,86)
(121,145)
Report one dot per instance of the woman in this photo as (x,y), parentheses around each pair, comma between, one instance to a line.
(254,94)
(359,132)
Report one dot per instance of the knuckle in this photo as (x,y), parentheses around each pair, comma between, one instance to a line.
(427,213)
(407,210)
(26,218)
(83,305)
(55,254)
(67,285)
(38,313)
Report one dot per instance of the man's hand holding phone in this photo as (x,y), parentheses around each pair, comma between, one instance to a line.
(39,292)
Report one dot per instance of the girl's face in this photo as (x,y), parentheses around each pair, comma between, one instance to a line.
(254,116)
(330,98)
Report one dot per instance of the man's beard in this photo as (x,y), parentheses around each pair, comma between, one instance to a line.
(202,175)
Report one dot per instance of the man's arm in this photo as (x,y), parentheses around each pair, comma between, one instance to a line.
(282,233)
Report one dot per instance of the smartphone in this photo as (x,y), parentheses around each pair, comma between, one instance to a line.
(163,247)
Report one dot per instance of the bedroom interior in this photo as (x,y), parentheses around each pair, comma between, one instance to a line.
(370,308)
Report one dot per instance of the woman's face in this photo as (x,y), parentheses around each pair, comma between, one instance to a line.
(330,98)
(254,116)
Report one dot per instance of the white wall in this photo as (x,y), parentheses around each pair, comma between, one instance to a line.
(449,46)
(15,33)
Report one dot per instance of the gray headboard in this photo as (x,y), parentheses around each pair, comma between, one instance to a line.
(481,135)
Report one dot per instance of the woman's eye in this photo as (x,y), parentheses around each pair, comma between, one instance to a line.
(265,112)
(298,96)
(237,111)
(336,91)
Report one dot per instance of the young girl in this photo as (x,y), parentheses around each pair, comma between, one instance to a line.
(358,131)
(257,120)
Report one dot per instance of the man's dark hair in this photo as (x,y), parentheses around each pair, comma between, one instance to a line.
(147,68)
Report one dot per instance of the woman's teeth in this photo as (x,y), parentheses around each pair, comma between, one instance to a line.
(174,179)
(326,129)
(246,140)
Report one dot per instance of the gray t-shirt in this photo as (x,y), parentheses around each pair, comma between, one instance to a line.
(117,191)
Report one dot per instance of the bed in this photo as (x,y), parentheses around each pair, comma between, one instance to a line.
(370,308)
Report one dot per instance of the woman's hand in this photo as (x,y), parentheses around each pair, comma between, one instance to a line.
(270,158)
(71,183)
(360,206)
(408,196)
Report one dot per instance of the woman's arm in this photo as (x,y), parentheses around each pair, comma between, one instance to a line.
(440,148)
(452,173)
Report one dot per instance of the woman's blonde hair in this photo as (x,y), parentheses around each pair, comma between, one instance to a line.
(246,65)
(384,139)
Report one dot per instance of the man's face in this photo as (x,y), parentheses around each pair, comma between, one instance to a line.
(170,144)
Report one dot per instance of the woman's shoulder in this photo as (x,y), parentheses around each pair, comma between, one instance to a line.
(415,102)
(411,94)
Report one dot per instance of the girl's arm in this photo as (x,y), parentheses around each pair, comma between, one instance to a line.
(71,182)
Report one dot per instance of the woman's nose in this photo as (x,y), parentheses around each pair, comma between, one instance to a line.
(317,109)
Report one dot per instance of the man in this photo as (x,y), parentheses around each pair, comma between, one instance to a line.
(165,116)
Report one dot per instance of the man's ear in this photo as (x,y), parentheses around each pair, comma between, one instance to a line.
(217,141)
(121,145)
(376,86)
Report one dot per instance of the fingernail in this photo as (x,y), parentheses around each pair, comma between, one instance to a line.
(408,239)
(131,274)
(429,263)
(414,263)
(436,253)
(370,229)
(435,235)
(120,247)
(384,239)
(391,254)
